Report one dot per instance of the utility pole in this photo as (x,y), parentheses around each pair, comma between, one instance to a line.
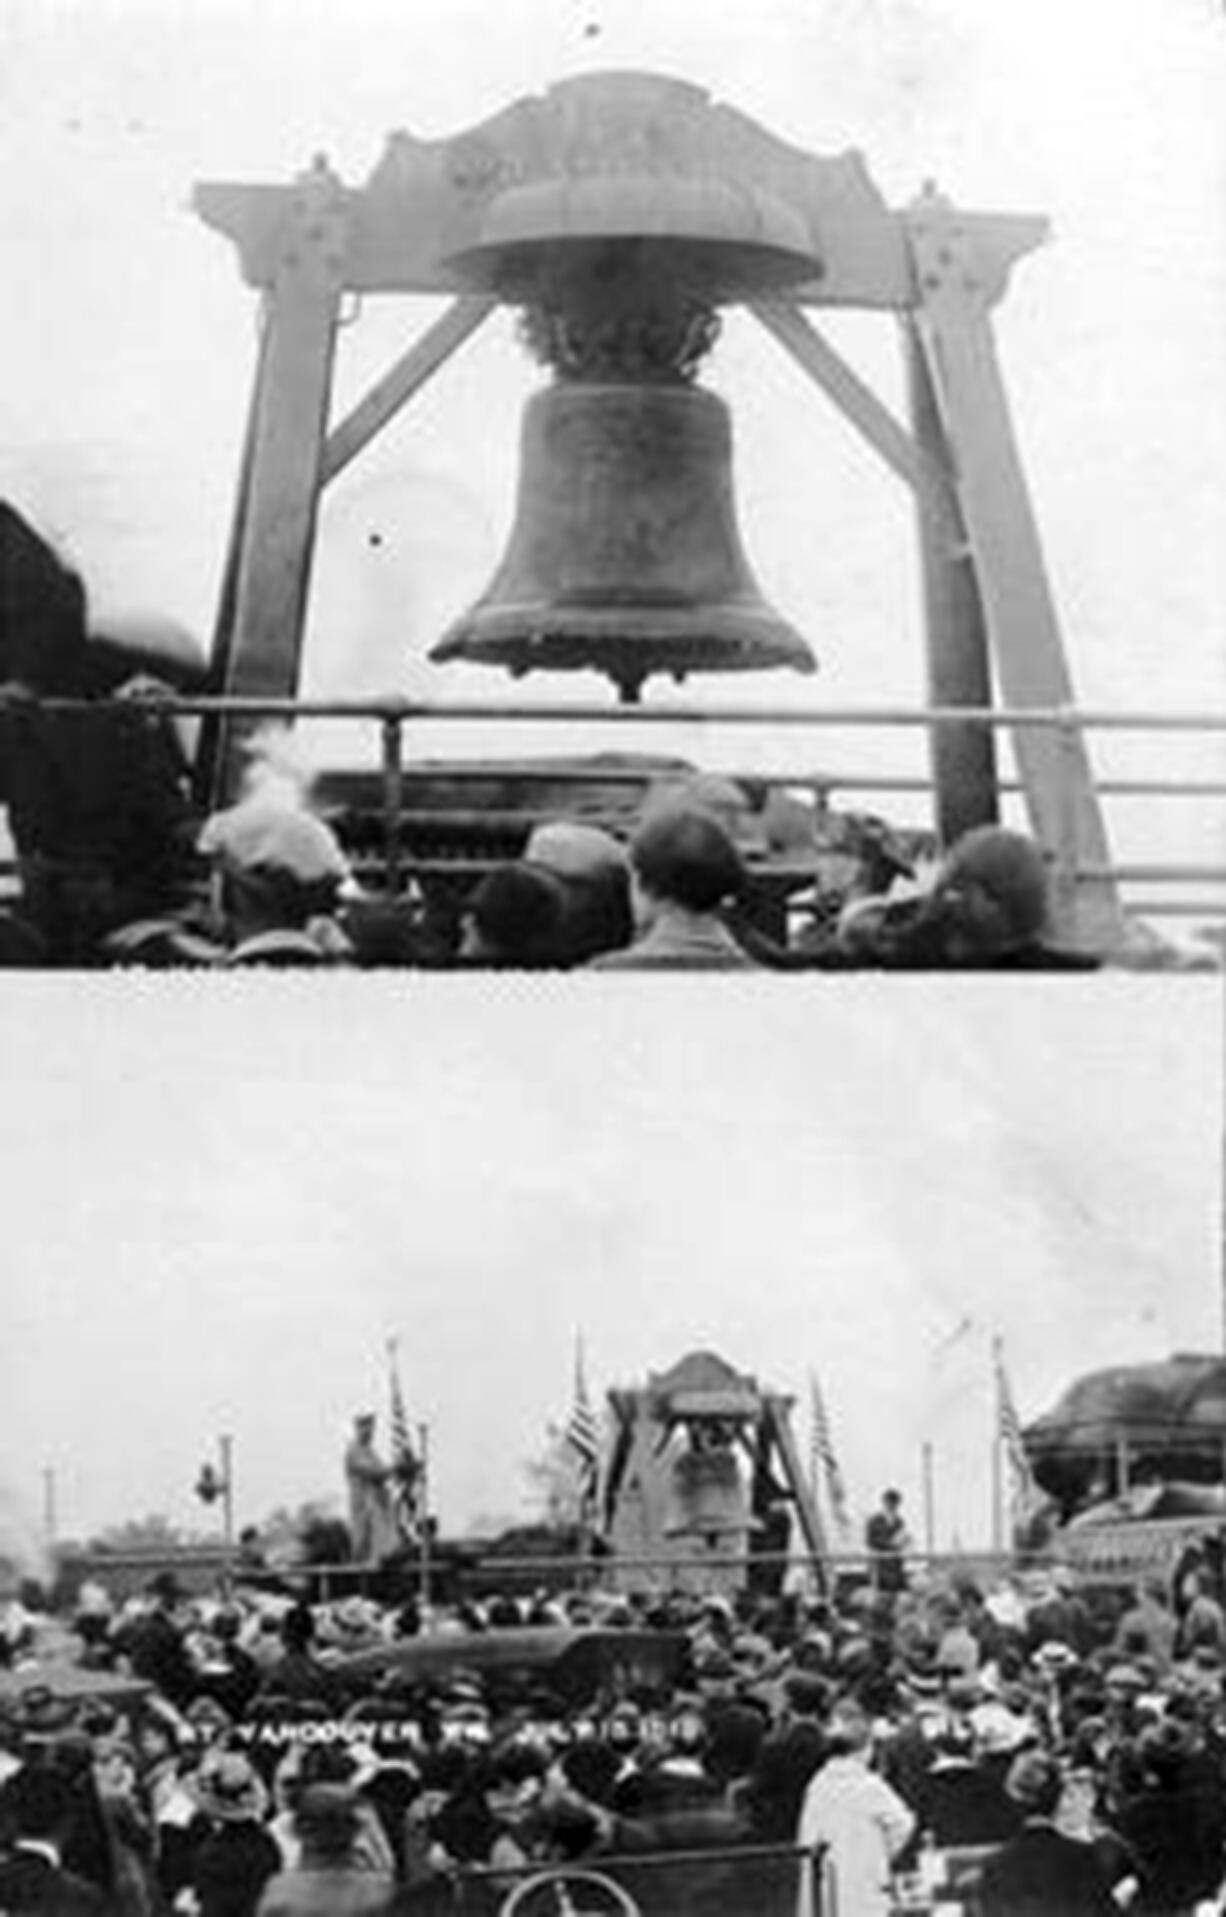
(216,1482)
(50,1514)
(226,1450)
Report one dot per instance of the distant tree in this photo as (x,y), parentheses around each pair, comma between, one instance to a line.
(152,1533)
(553,1480)
(308,1533)
(325,1540)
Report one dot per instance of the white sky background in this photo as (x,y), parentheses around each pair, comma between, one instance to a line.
(218,1206)
(128,340)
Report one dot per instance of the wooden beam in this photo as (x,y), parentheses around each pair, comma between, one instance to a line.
(857,401)
(206,768)
(291,417)
(776,1418)
(407,376)
(963,757)
(954,324)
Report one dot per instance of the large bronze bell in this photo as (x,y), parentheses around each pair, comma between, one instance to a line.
(707,1497)
(624,555)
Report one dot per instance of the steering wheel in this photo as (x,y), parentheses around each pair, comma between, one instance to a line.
(547,1893)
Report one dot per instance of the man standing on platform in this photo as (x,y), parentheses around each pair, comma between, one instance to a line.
(885,1534)
(372,1524)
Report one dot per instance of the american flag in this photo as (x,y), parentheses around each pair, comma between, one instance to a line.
(822,1459)
(582,1434)
(405,1464)
(1009,1426)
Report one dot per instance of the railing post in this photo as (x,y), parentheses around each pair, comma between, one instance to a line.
(393,799)
(1067,849)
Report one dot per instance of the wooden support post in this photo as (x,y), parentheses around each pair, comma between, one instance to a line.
(963,757)
(776,1420)
(206,770)
(954,291)
(407,376)
(278,533)
(393,803)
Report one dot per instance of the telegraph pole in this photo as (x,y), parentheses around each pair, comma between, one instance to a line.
(216,1481)
(226,1450)
(50,1514)
(929,1480)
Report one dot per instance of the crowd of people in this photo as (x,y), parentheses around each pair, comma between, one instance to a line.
(117,863)
(252,1754)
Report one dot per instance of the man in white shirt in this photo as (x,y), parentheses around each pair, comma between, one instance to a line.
(854,1821)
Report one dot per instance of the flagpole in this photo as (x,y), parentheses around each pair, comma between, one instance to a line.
(50,1519)
(998,1488)
(927,1460)
(423,1449)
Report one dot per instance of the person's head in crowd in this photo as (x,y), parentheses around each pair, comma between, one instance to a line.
(722,799)
(591,1769)
(228,1789)
(209,1719)
(326,1764)
(1035,1783)
(115,1768)
(407,1620)
(687,1731)
(276,868)
(158,1741)
(166,1593)
(1124,1687)
(624,1730)
(849,1730)
(514,1779)
(806,1695)
(40,1804)
(515,918)
(991,895)
(326,1820)
(737,1733)
(682,859)
(297,1628)
(594,870)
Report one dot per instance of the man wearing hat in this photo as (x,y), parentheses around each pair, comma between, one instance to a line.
(1040,1872)
(987,908)
(236,1858)
(156,1643)
(39,1809)
(278,872)
(328,1880)
(97,794)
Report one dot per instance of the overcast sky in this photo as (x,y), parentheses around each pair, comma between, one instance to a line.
(128,339)
(219,1205)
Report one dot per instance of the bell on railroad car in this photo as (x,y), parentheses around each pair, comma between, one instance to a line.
(624,554)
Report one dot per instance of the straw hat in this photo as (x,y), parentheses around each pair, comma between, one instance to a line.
(229,1789)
